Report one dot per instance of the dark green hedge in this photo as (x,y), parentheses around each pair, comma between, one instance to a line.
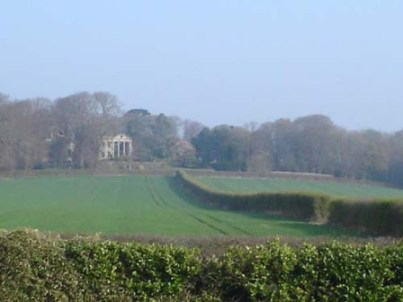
(383,217)
(378,217)
(309,207)
(34,267)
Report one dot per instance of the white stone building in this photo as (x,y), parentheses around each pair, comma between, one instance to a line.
(119,146)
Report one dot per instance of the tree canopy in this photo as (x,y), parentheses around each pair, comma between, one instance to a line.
(39,132)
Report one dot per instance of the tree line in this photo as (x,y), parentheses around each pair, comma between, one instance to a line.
(39,133)
(311,144)
(68,132)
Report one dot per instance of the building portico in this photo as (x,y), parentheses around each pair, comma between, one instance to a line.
(113,147)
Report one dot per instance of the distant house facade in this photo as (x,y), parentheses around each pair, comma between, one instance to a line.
(58,143)
(113,147)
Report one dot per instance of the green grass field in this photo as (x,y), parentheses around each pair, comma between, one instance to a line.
(339,189)
(129,205)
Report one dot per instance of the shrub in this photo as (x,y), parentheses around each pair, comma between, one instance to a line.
(308,207)
(378,217)
(330,272)
(35,267)
(140,271)
(383,217)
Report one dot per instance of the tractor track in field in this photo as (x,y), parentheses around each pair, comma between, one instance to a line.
(158,194)
(149,188)
(160,201)
(207,224)
(198,219)
(228,224)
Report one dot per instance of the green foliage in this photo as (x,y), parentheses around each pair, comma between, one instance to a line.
(379,217)
(304,206)
(332,272)
(140,271)
(254,274)
(223,148)
(154,135)
(341,271)
(383,217)
(35,267)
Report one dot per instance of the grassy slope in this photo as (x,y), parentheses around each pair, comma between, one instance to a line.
(352,190)
(130,205)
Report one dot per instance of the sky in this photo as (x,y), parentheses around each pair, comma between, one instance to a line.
(213,61)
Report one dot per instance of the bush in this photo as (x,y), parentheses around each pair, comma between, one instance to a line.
(135,270)
(330,272)
(378,217)
(35,267)
(308,207)
(383,217)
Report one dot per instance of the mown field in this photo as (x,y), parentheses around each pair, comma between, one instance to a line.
(128,205)
(337,189)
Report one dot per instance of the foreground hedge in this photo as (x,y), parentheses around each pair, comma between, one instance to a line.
(34,267)
(382,217)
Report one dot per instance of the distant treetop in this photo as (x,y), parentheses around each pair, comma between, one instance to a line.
(140,112)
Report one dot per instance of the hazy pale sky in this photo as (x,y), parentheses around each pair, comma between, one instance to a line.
(215,61)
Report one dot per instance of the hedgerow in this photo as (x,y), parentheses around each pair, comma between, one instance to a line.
(378,217)
(135,270)
(35,267)
(381,217)
(309,207)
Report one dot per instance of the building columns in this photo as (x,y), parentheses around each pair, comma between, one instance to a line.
(116,147)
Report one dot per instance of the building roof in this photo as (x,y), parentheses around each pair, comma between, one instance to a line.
(121,136)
